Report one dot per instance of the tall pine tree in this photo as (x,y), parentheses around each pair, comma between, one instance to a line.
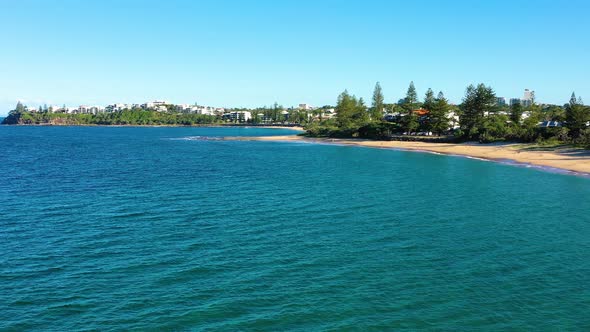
(576,116)
(439,122)
(19,107)
(377,106)
(477,102)
(410,120)
(351,114)
(411,95)
(429,100)
(345,110)
(428,105)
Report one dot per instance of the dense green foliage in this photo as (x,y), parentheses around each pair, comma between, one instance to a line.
(351,114)
(378,100)
(576,116)
(410,120)
(439,112)
(478,102)
(477,118)
(126,117)
(277,114)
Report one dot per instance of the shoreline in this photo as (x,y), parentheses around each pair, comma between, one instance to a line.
(213,125)
(571,161)
(563,160)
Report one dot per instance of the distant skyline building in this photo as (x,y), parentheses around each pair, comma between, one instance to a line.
(514,101)
(501,101)
(529,98)
(528,94)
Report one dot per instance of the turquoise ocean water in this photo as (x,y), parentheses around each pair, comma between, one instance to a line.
(160,229)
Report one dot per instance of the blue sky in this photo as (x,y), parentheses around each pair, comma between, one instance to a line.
(253,53)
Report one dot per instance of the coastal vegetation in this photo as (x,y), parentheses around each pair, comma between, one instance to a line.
(142,116)
(478,118)
(124,117)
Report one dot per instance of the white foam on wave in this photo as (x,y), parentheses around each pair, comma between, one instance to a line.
(196,138)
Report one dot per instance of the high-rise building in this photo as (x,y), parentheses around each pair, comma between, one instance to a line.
(529,98)
(514,101)
(501,101)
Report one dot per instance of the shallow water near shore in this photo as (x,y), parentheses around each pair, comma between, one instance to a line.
(145,228)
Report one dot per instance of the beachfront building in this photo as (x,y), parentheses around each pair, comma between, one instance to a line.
(48,109)
(422,115)
(120,106)
(306,107)
(240,116)
(285,115)
(91,109)
(323,113)
(154,104)
(192,109)
(329,113)
(67,110)
(85,109)
(453,120)
(262,118)
(184,108)
(117,107)
(206,110)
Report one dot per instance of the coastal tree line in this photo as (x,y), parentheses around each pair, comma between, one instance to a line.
(137,116)
(275,114)
(477,118)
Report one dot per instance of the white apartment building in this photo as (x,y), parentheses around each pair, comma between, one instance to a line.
(305,107)
(241,116)
(153,104)
(205,110)
(529,97)
(453,120)
(120,106)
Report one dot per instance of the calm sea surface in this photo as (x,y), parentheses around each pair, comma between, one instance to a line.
(145,229)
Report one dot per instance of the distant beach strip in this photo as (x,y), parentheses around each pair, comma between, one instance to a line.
(570,161)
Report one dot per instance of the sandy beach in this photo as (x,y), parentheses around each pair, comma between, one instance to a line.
(569,159)
(296,128)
